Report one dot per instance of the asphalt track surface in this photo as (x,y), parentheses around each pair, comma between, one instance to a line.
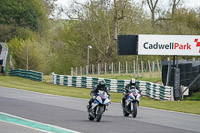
(70,113)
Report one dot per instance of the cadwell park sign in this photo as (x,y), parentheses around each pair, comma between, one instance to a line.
(169,45)
(174,45)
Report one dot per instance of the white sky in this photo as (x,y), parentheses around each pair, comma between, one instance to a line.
(187,3)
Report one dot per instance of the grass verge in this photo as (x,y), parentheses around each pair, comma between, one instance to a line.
(43,87)
(195,97)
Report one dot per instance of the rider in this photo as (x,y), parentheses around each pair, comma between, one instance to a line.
(101,86)
(127,88)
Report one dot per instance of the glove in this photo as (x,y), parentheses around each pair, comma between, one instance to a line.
(124,93)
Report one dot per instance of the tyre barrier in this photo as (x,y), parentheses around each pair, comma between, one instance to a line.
(29,74)
(152,90)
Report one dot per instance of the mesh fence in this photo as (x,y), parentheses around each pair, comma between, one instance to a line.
(118,68)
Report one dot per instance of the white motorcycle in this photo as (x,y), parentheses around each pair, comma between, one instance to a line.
(99,106)
(131,103)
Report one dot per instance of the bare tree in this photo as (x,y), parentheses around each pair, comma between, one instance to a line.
(119,10)
(174,5)
(105,14)
(152,6)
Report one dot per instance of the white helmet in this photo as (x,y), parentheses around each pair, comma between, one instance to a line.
(132,81)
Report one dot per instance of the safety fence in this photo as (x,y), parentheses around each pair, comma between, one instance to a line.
(29,74)
(133,67)
(155,91)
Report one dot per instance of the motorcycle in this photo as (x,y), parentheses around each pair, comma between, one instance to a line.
(131,103)
(99,106)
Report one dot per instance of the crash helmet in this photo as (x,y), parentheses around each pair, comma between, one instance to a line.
(102,83)
(132,81)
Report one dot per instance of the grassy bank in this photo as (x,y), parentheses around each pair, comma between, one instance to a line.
(44,87)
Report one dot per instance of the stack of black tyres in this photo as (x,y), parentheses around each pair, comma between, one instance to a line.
(182,73)
(189,70)
(164,72)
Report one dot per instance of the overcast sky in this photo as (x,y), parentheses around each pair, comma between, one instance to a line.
(187,3)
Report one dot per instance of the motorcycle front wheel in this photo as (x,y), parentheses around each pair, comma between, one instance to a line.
(134,111)
(99,114)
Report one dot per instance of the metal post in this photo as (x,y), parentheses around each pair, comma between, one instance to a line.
(173,62)
(81,70)
(142,68)
(112,69)
(119,68)
(126,67)
(176,79)
(158,68)
(176,61)
(71,71)
(150,68)
(105,67)
(27,57)
(137,67)
(168,73)
(88,56)
(92,69)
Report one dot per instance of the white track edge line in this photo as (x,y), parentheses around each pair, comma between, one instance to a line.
(40,122)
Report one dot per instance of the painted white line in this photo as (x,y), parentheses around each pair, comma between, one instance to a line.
(25,126)
(38,123)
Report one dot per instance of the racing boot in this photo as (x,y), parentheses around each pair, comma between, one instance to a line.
(89,108)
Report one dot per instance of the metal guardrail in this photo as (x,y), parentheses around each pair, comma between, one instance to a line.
(155,91)
(29,74)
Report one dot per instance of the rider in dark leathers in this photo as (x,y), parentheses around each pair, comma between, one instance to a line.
(127,88)
(101,86)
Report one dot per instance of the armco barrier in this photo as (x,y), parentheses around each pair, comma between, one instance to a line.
(155,91)
(29,74)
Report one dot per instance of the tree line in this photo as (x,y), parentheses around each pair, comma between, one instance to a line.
(39,42)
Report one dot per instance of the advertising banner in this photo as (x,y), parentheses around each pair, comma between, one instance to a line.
(169,45)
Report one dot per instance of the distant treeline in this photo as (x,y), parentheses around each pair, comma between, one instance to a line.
(42,43)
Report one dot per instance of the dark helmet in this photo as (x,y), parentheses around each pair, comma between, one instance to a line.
(102,83)
(132,81)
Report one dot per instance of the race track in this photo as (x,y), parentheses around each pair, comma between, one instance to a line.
(70,113)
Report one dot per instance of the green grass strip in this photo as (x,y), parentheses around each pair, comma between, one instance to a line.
(32,124)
